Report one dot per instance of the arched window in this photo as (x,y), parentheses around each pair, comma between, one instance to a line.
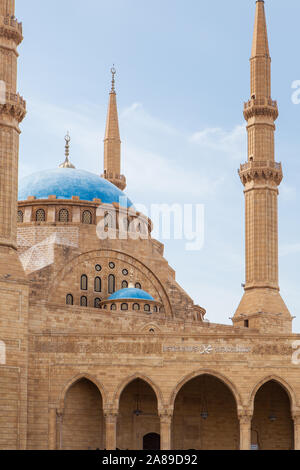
(138,285)
(97,284)
(113,307)
(97,302)
(63,215)
(136,307)
(111,284)
(40,215)
(84,282)
(20,217)
(147,308)
(69,299)
(83,301)
(155,309)
(124,285)
(86,217)
(124,307)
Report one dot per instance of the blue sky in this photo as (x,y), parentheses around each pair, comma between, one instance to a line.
(183,74)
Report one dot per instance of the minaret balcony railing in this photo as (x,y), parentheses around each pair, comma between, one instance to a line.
(109,175)
(260,164)
(261,171)
(12,22)
(260,102)
(11,29)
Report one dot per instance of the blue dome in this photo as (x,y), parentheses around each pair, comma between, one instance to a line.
(131,293)
(67,182)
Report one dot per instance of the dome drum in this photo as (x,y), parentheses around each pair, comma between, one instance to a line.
(136,306)
(132,299)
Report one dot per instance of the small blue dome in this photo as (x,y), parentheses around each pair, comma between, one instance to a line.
(131,293)
(67,182)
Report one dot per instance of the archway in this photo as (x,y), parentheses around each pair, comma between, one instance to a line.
(151,441)
(205,416)
(82,422)
(272,424)
(138,415)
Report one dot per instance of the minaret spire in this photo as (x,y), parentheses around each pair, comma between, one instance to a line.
(261,305)
(260,56)
(112,141)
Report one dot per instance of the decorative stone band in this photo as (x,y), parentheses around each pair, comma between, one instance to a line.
(14,106)
(261,171)
(260,107)
(11,29)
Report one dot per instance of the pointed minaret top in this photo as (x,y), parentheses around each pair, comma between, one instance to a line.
(260,44)
(112,141)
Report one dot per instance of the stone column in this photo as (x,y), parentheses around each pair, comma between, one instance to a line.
(245,431)
(166,431)
(52,428)
(110,430)
(296,419)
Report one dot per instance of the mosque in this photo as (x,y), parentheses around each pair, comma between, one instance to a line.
(100,346)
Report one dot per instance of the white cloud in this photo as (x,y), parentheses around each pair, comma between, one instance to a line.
(233,143)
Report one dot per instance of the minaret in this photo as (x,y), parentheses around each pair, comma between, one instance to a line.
(13,284)
(12,112)
(261,305)
(112,141)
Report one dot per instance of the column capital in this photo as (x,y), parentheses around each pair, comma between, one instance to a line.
(110,414)
(165,418)
(245,416)
(165,414)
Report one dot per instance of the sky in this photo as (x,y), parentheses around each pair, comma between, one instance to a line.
(182,77)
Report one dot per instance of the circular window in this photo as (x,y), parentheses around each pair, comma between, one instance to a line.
(112,265)
(98,267)
(125,272)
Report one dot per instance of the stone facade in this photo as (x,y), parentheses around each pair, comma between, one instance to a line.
(79,374)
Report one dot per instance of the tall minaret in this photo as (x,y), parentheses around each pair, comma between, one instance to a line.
(12,112)
(13,284)
(261,305)
(112,141)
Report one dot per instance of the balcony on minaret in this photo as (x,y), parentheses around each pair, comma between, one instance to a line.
(255,170)
(12,28)
(260,107)
(117,180)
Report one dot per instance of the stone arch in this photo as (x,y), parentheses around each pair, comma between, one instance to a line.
(120,256)
(212,373)
(272,405)
(280,381)
(75,379)
(146,328)
(128,380)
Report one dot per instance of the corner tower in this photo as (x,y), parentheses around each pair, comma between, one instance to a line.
(261,305)
(13,284)
(112,142)
(12,112)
